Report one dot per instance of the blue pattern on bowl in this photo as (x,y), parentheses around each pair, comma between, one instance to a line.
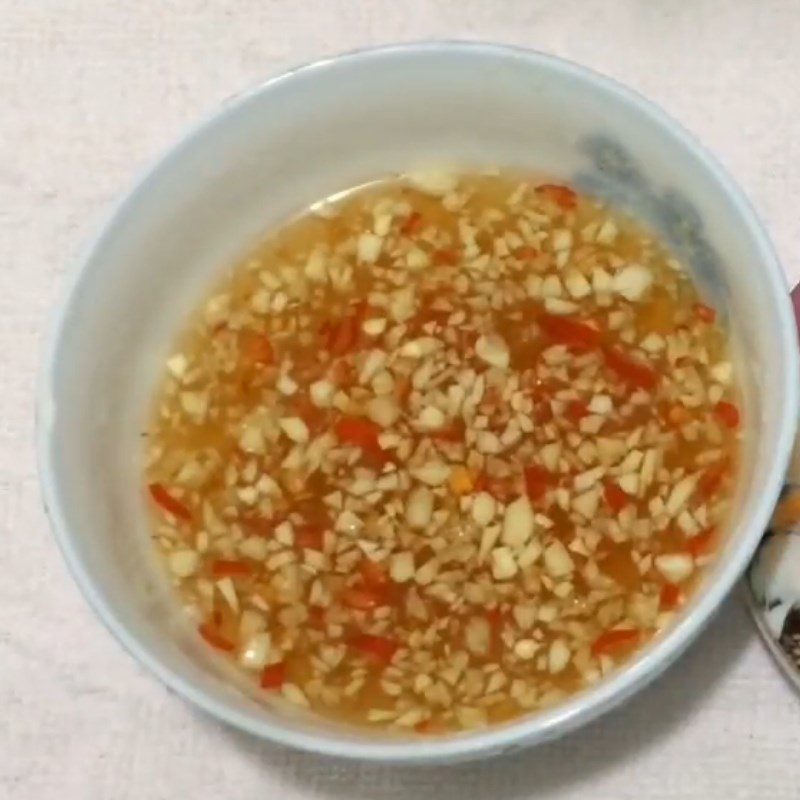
(615,176)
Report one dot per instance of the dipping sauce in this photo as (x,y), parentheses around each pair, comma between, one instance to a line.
(443,452)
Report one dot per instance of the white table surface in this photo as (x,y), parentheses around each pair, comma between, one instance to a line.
(90,91)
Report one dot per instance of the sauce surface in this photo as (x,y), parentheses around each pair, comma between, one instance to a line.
(443,452)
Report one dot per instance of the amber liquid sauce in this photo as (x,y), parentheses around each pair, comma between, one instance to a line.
(238,385)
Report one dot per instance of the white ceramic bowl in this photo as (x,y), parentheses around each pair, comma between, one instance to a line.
(298,138)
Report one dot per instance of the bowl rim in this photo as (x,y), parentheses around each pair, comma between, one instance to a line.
(529,729)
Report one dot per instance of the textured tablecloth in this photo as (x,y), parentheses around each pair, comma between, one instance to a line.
(90,90)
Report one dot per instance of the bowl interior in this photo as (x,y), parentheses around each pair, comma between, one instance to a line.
(304,136)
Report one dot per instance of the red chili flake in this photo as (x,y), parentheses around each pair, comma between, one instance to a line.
(316,616)
(452,433)
(445,258)
(711,480)
(502,489)
(496,619)
(342,337)
(373,574)
(379,648)
(412,224)
(636,374)
(228,568)
(429,726)
(615,497)
(542,412)
(526,253)
(309,536)
(677,414)
(257,349)
(564,330)
(315,418)
(670,597)
(727,413)
(259,526)
(402,389)
(273,676)
(562,196)
(363,598)
(702,543)
(537,479)
(610,642)
(704,313)
(576,410)
(168,503)
(212,635)
(359,432)
(480,483)
(341,373)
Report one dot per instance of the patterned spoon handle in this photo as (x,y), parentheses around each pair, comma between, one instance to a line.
(774,574)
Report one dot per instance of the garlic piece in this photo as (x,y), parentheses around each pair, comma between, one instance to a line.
(417,259)
(576,284)
(632,281)
(550,455)
(478,636)
(557,560)
(557,306)
(228,591)
(586,480)
(629,484)
(526,649)
(561,239)
(483,508)
(488,442)
(675,567)
(419,508)
(489,538)
(383,410)
(427,572)
(607,232)
(322,393)
(437,182)
(551,287)
(294,694)
(401,567)
(369,247)
(432,473)
(586,504)
(722,372)
(431,418)
(558,656)
(503,564)
(295,429)
(255,653)
(374,326)
(680,494)
(421,347)
(373,364)
(183,563)
(492,349)
(255,547)
(602,283)
(601,404)
(518,522)
(178,365)
(286,385)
